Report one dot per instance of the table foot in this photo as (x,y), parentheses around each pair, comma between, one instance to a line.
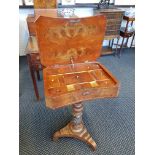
(79,133)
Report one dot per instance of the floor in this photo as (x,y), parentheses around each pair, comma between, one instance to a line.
(109,121)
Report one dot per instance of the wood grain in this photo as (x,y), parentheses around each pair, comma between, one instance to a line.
(62,39)
(45,4)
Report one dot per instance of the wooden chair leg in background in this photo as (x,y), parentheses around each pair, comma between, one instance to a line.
(32,73)
(126,44)
(119,55)
(132,40)
(112,46)
(34,84)
(76,128)
(109,43)
(116,52)
(112,43)
(38,75)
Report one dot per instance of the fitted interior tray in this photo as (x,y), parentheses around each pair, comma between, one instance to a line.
(72,83)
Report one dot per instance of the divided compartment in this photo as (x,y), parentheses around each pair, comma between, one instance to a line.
(64,79)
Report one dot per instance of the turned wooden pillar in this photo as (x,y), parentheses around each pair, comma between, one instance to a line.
(77,123)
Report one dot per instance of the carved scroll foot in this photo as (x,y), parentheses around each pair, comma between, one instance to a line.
(81,134)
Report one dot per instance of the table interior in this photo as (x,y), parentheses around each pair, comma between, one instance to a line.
(74,77)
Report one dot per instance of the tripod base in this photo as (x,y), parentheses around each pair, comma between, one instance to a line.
(82,135)
(76,128)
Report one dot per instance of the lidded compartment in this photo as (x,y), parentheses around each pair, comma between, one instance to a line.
(68,49)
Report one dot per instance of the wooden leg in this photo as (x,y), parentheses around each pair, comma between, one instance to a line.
(132,40)
(109,42)
(76,128)
(38,75)
(126,44)
(121,48)
(33,79)
(112,43)
(117,46)
(112,46)
(34,84)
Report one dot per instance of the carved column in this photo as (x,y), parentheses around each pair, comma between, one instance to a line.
(77,123)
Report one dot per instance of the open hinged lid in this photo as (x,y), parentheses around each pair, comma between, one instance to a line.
(69,40)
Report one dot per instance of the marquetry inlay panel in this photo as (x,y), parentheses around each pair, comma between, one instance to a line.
(75,40)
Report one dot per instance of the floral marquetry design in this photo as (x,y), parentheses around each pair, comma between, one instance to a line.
(62,39)
(71,53)
(70,31)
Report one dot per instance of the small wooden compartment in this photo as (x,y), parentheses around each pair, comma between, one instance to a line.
(72,83)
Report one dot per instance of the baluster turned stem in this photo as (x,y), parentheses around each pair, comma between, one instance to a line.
(77,123)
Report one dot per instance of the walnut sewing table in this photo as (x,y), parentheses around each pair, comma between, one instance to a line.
(68,49)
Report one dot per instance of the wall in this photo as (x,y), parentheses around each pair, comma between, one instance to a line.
(23,31)
(124,2)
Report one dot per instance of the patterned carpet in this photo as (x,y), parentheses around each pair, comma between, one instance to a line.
(109,121)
